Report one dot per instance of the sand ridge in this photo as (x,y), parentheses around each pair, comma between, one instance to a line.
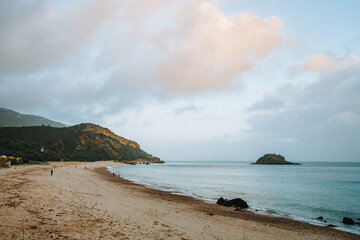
(89,203)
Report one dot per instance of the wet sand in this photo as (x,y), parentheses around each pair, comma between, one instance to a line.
(79,203)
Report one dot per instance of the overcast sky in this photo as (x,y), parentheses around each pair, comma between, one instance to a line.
(192,79)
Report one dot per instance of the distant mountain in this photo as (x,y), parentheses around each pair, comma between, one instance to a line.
(272,158)
(10,118)
(83,142)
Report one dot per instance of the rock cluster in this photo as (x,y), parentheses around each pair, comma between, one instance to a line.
(236,202)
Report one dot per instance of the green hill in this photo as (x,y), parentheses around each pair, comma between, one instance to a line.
(83,142)
(10,118)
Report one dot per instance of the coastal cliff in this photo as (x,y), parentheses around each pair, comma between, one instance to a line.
(272,158)
(83,142)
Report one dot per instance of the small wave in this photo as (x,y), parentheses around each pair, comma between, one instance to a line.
(272,213)
(163,188)
(258,210)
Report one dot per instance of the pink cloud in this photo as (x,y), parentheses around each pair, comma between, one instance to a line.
(193,46)
(209,48)
(318,63)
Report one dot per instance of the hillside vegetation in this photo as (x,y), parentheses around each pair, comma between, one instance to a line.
(83,142)
(10,118)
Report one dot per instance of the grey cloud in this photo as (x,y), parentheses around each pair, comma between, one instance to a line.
(323,118)
(37,33)
(188,108)
(87,59)
(74,61)
(268,103)
(78,90)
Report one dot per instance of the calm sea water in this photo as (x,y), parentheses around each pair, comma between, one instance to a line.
(304,192)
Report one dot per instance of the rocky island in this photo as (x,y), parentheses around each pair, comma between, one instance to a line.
(272,158)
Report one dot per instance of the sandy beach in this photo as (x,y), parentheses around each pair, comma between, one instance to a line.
(85,201)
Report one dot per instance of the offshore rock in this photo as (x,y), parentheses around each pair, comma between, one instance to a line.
(272,158)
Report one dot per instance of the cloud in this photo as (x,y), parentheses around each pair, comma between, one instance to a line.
(208,49)
(80,61)
(205,48)
(322,116)
(346,118)
(38,33)
(51,58)
(286,140)
(87,58)
(318,63)
(187,108)
(268,103)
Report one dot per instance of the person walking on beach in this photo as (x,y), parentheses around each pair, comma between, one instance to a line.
(52,171)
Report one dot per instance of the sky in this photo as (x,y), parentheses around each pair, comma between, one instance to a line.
(227,80)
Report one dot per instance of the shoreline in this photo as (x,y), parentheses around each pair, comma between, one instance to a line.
(172,191)
(250,209)
(258,210)
(250,214)
(84,201)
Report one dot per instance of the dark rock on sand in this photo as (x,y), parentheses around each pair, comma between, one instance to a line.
(348,221)
(237,202)
(272,158)
(330,225)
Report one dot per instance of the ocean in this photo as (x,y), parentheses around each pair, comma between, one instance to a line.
(301,192)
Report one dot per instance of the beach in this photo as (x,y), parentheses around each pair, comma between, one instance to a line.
(85,201)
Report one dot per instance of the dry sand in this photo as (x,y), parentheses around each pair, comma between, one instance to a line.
(79,203)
